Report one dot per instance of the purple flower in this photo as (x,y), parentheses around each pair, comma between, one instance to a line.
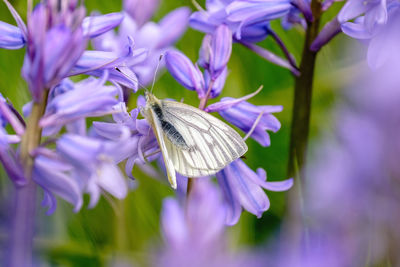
(88,98)
(95,162)
(55,39)
(351,193)
(378,24)
(11,37)
(244,188)
(154,38)
(131,133)
(10,160)
(213,58)
(246,19)
(194,234)
(248,117)
(54,176)
(183,70)
(140,11)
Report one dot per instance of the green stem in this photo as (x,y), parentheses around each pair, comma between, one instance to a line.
(21,236)
(302,97)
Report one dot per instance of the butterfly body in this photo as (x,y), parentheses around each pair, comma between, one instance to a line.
(192,142)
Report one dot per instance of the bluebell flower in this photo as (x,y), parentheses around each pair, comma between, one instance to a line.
(55,39)
(194,233)
(213,58)
(11,37)
(140,11)
(242,187)
(10,159)
(95,163)
(55,177)
(154,38)
(375,22)
(246,19)
(248,117)
(87,98)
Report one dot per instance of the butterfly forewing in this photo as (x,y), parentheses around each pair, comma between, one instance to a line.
(210,143)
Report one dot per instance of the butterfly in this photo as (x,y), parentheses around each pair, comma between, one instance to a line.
(192,142)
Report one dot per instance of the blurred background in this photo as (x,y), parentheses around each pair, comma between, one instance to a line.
(130,228)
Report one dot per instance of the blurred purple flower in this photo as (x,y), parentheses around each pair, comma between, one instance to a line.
(373,21)
(54,176)
(244,188)
(153,38)
(350,213)
(95,162)
(194,234)
(10,159)
(140,11)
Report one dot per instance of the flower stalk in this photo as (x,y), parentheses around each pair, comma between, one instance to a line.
(303,95)
(23,218)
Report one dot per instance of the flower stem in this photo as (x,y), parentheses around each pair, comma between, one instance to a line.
(23,217)
(303,95)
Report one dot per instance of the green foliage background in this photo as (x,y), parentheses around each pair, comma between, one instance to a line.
(130,229)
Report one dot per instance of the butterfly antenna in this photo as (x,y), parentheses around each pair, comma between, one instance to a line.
(132,78)
(155,73)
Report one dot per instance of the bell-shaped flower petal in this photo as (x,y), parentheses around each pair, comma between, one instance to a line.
(182,69)
(248,117)
(10,161)
(52,175)
(241,184)
(9,115)
(140,10)
(89,98)
(221,45)
(94,26)
(11,37)
(257,10)
(172,26)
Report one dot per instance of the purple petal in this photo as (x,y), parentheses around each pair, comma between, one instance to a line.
(234,209)
(182,69)
(356,30)
(230,102)
(10,161)
(256,11)
(57,182)
(173,26)
(251,195)
(18,19)
(201,21)
(351,10)
(173,222)
(111,180)
(96,25)
(11,37)
(221,44)
(140,10)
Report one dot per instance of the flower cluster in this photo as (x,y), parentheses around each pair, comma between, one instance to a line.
(73,158)
(249,22)
(374,21)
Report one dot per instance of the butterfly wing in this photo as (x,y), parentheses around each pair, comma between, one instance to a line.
(157,128)
(211,143)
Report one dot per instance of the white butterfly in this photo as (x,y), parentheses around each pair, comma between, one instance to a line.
(193,142)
